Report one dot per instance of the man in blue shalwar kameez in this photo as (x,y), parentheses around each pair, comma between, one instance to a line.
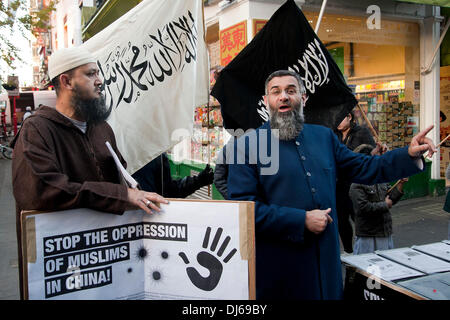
(297,240)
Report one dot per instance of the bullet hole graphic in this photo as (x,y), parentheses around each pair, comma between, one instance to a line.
(156,275)
(130,270)
(165,255)
(142,253)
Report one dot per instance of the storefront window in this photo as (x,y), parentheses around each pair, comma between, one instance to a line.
(382,67)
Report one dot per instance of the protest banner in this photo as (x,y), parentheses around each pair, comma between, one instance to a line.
(286,42)
(154,65)
(192,249)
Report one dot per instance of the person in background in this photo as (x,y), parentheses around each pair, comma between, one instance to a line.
(352,135)
(447,199)
(27,113)
(221,173)
(371,203)
(155,176)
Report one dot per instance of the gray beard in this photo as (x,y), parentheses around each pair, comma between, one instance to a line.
(287,125)
(94,111)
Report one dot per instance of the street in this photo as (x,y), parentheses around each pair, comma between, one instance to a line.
(416,221)
(9,278)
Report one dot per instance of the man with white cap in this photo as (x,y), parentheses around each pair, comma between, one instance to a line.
(27,113)
(60,159)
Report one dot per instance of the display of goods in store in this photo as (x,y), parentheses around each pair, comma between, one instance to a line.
(205,139)
(216,136)
(213,152)
(205,153)
(213,102)
(197,136)
(215,117)
(390,85)
(196,151)
(212,136)
(389,114)
(198,115)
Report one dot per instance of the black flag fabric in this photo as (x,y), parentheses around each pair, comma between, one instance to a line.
(287,41)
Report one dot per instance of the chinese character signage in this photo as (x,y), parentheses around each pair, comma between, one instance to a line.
(258,25)
(232,41)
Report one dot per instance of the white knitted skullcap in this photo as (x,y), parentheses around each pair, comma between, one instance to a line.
(68,58)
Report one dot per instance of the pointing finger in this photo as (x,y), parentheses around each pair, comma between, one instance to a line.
(424,132)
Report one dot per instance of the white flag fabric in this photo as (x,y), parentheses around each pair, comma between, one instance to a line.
(154,64)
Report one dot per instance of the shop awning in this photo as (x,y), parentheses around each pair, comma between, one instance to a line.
(440,3)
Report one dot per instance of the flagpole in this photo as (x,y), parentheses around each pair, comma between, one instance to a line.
(209,142)
(369,124)
(209,93)
(208,90)
(322,9)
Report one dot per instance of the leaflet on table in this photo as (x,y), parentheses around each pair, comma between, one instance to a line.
(439,250)
(416,260)
(380,267)
(434,287)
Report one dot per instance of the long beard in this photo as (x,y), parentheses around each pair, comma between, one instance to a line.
(94,111)
(289,124)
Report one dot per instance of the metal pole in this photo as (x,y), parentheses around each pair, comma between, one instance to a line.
(322,9)
(428,69)
(14,116)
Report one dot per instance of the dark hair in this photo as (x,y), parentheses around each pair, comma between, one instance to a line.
(56,83)
(352,121)
(284,73)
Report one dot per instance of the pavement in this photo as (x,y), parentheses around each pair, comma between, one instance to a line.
(9,276)
(415,221)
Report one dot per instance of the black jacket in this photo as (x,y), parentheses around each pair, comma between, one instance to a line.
(221,174)
(372,215)
(357,136)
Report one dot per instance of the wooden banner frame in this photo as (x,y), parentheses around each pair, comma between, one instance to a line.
(246,239)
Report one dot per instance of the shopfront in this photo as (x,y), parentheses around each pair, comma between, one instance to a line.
(382,47)
(379,46)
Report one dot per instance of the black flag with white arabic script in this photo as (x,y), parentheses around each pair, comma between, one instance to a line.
(287,41)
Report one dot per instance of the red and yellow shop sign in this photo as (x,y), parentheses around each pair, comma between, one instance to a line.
(258,25)
(232,41)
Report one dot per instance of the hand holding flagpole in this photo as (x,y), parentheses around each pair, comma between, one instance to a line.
(377,138)
(438,146)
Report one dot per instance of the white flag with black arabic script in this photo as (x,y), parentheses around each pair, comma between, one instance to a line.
(154,64)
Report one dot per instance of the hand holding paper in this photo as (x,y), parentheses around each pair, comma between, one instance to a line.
(138,198)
